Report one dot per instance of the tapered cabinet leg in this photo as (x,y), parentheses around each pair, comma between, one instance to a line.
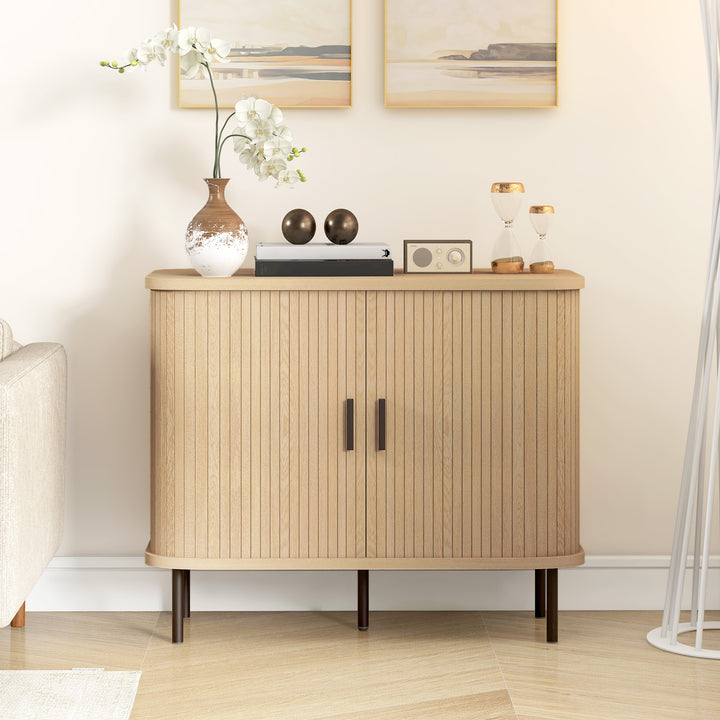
(540,593)
(19,620)
(552,605)
(363,599)
(186,593)
(178,597)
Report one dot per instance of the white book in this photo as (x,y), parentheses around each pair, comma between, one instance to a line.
(322,251)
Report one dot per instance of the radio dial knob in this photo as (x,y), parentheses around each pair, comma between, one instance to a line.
(455,256)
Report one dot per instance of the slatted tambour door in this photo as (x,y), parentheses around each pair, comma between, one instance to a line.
(248,449)
(481,392)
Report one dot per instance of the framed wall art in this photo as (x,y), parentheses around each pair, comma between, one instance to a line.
(471,53)
(292,53)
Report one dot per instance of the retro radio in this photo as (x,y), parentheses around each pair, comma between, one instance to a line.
(438,256)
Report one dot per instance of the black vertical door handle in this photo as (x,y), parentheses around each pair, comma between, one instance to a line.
(350,423)
(381,424)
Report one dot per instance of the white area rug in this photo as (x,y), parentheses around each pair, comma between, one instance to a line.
(80,694)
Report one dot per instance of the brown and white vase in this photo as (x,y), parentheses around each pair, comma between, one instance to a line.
(216,240)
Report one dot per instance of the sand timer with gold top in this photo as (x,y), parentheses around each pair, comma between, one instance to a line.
(506,199)
(541,217)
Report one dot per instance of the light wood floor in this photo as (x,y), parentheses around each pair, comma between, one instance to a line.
(409,666)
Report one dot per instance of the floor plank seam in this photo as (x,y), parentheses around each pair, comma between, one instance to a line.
(497,660)
(152,635)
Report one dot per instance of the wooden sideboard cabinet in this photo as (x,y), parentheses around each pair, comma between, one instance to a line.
(412,422)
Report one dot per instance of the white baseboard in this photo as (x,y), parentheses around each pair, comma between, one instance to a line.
(127,584)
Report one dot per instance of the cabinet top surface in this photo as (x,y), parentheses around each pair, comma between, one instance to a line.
(188,279)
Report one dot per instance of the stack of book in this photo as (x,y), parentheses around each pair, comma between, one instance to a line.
(322,259)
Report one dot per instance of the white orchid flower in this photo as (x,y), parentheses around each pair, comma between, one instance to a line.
(262,171)
(186,40)
(253,108)
(218,50)
(287,177)
(192,66)
(240,144)
(246,153)
(258,160)
(259,131)
(192,38)
(168,38)
(276,115)
(275,166)
(280,143)
(203,38)
(149,51)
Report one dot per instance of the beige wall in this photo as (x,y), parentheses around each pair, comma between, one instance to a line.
(101,174)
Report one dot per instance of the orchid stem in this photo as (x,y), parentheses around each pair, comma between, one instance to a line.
(222,129)
(216,167)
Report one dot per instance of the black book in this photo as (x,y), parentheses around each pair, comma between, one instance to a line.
(323,268)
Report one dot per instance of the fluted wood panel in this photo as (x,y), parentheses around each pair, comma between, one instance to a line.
(482,406)
(248,427)
(248,417)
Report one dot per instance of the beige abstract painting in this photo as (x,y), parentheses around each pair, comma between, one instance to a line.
(471,53)
(289,52)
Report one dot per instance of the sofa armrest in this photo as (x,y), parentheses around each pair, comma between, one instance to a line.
(33,398)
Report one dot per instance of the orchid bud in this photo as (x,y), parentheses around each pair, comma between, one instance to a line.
(121,70)
(114,64)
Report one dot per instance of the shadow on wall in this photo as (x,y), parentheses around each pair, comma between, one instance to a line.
(108,419)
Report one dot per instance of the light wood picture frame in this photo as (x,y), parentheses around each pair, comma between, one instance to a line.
(290,53)
(471,53)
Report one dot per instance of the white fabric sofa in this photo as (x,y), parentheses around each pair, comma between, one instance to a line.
(33,389)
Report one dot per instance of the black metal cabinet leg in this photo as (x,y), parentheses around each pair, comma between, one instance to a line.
(186,593)
(540,593)
(178,587)
(363,583)
(552,605)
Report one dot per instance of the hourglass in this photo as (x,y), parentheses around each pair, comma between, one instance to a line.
(506,198)
(541,217)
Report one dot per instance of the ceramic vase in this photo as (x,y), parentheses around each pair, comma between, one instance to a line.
(216,240)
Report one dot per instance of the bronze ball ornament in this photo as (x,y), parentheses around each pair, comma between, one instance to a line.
(298,226)
(341,226)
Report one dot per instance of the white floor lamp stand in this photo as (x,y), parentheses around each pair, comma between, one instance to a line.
(699,478)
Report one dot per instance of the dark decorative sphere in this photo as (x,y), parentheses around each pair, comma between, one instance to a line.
(298,226)
(341,226)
